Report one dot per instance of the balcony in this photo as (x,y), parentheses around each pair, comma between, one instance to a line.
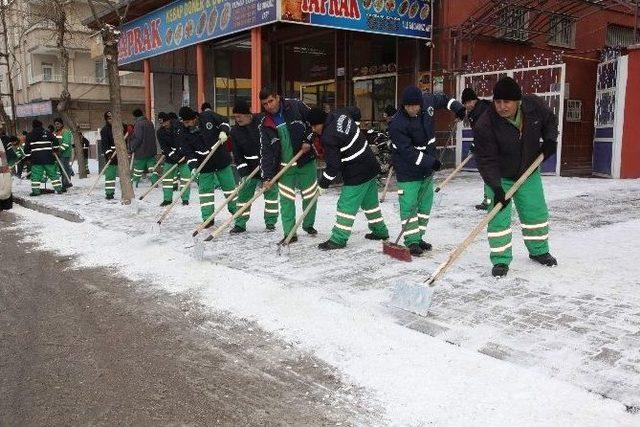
(126,80)
(83,88)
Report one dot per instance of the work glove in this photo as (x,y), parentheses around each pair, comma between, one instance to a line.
(223,136)
(472,148)
(500,197)
(437,165)
(549,148)
(267,184)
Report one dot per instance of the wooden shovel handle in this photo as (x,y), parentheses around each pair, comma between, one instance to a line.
(453,256)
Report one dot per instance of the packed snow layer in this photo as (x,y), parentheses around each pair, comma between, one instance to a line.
(528,346)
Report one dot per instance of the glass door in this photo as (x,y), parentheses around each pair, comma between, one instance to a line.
(319,94)
(372,94)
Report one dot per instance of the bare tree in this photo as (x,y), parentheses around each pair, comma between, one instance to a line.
(110,37)
(5,60)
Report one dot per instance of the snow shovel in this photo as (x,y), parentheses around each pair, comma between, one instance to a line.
(160,179)
(298,222)
(416,297)
(184,189)
(396,250)
(64,172)
(104,169)
(235,192)
(386,185)
(452,174)
(215,233)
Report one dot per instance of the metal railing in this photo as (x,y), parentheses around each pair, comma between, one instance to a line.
(90,80)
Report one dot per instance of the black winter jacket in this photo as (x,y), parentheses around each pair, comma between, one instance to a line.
(295,115)
(413,139)
(502,151)
(195,148)
(39,147)
(347,151)
(481,106)
(169,144)
(107,143)
(246,146)
(211,124)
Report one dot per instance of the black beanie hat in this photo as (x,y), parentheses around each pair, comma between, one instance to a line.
(316,116)
(507,89)
(163,116)
(187,113)
(468,94)
(412,96)
(241,107)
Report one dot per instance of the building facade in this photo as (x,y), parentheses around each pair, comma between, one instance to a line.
(37,74)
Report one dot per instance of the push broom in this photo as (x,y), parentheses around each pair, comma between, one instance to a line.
(417,297)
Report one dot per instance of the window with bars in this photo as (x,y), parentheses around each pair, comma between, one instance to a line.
(574,110)
(100,68)
(619,36)
(562,31)
(513,24)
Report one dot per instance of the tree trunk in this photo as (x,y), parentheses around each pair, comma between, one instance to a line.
(110,41)
(11,123)
(65,96)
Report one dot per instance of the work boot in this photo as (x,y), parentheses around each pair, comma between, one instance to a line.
(424,245)
(165,203)
(293,240)
(330,245)
(271,227)
(545,259)
(62,190)
(500,270)
(109,197)
(185,202)
(237,230)
(310,230)
(374,236)
(415,249)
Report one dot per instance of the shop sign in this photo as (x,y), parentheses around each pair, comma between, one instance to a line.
(411,18)
(34,109)
(187,22)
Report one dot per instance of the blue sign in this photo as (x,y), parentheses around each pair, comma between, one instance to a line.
(410,18)
(187,22)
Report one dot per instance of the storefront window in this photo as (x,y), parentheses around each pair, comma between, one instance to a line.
(309,70)
(233,78)
(374,75)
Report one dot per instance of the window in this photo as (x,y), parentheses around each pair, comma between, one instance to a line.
(100,67)
(513,24)
(619,36)
(574,110)
(47,72)
(562,31)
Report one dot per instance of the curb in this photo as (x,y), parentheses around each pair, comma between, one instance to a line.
(60,213)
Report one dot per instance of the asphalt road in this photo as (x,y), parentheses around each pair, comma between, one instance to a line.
(85,346)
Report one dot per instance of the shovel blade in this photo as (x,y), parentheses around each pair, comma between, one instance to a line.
(396,251)
(413,297)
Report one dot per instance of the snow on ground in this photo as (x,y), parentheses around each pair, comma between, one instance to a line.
(539,347)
